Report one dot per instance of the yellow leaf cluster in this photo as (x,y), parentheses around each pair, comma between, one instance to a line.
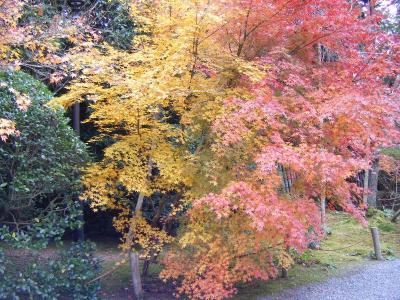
(140,235)
(155,100)
(285,260)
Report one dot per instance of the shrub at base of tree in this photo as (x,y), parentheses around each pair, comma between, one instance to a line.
(67,275)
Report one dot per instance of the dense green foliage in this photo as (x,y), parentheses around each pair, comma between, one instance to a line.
(110,18)
(39,168)
(39,173)
(39,233)
(67,274)
(114,22)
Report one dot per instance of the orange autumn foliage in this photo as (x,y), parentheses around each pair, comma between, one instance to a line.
(321,109)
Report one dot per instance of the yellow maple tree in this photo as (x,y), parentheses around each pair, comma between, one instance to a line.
(156,102)
(179,71)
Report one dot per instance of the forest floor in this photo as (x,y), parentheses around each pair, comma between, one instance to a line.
(348,247)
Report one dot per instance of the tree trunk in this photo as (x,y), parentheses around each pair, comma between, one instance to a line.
(323,212)
(373,184)
(134,257)
(285,273)
(135,273)
(320,54)
(365,189)
(371,4)
(76,124)
(145,269)
(377,243)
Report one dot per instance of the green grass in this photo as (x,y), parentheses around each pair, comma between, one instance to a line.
(393,152)
(121,277)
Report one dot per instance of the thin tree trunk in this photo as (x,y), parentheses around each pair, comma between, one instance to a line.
(285,273)
(76,124)
(320,53)
(145,269)
(373,184)
(365,190)
(135,272)
(139,204)
(323,212)
(282,174)
(371,4)
(377,243)
(134,257)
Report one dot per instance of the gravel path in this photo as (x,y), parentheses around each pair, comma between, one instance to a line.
(374,281)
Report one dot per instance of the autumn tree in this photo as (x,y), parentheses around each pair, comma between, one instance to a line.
(211,96)
(322,109)
(151,102)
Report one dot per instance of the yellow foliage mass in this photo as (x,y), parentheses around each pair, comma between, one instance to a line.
(175,70)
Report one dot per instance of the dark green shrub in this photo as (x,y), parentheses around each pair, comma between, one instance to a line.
(110,18)
(39,169)
(39,173)
(65,277)
(116,25)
